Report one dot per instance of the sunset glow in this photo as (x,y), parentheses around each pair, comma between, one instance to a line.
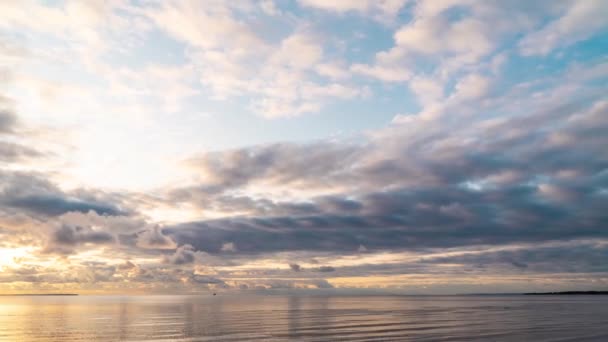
(351,146)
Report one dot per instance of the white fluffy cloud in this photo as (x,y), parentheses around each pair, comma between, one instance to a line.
(385,8)
(472,87)
(427,90)
(233,60)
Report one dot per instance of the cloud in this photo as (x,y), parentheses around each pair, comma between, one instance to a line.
(382,8)
(228,247)
(33,193)
(8,121)
(57,205)
(392,73)
(472,87)
(427,90)
(325,269)
(490,174)
(298,165)
(580,21)
(322,284)
(207,26)
(335,70)
(551,257)
(70,235)
(10,152)
(184,254)
(201,279)
(128,265)
(298,51)
(446,44)
(290,284)
(435,44)
(233,59)
(269,7)
(471,182)
(519,264)
(76,232)
(422,37)
(67,239)
(154,238)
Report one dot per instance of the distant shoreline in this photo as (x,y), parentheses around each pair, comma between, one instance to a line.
(39,294)
(567,293)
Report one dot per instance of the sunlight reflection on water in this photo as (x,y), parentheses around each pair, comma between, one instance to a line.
(303,318)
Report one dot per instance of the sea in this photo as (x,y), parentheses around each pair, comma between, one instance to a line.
(227,317)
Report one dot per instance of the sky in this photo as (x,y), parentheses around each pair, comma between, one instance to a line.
(399,146)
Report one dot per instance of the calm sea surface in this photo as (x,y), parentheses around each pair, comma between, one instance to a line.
(304,318)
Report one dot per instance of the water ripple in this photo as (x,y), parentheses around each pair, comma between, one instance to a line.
(303,318)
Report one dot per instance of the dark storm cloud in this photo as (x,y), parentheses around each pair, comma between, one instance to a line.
(295,267)
(410,219)
(337,204)
(57,205)
(265,206)
(526,178)
(36,195)
(66,239)
(72,235)
(519,264)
